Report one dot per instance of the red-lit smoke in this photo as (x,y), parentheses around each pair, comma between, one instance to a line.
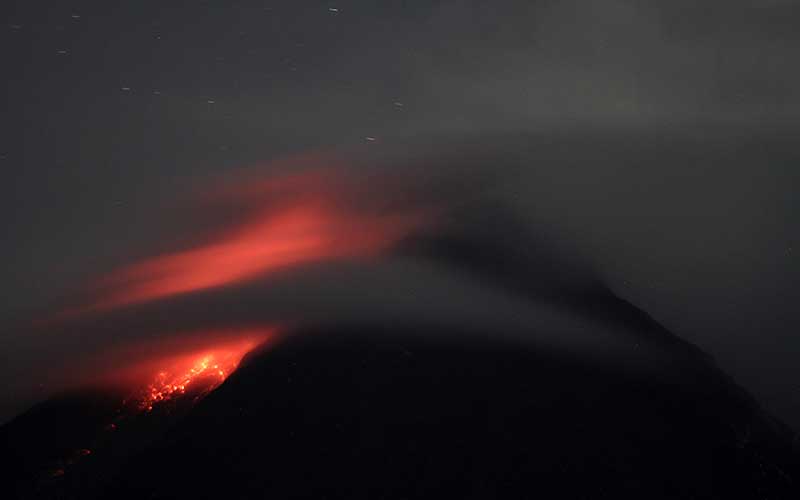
(289,220)
(271,223)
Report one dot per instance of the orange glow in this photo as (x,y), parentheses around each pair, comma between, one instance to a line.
(305,225)
(207,360)
(198,372)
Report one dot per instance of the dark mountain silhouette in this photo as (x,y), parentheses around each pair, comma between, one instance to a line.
(378,413)
(493,245)
(423,410)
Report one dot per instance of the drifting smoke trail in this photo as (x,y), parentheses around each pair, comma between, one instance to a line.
(294,220)
(269,242)
(277,222)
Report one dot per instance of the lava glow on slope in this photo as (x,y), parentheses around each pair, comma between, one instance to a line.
(236,231)
(206,359)
(195,373)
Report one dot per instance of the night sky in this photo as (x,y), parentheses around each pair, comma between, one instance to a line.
(658,139)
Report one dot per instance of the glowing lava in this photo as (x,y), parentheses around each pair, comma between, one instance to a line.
(197,373)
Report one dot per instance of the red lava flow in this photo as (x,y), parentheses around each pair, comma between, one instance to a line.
(196,373)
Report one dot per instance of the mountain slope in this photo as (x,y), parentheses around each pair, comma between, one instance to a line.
(380,414)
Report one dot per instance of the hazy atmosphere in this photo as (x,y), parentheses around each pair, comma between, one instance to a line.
(646,147)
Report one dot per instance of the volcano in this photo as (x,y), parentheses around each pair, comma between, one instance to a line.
(401,412)
(523,376)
